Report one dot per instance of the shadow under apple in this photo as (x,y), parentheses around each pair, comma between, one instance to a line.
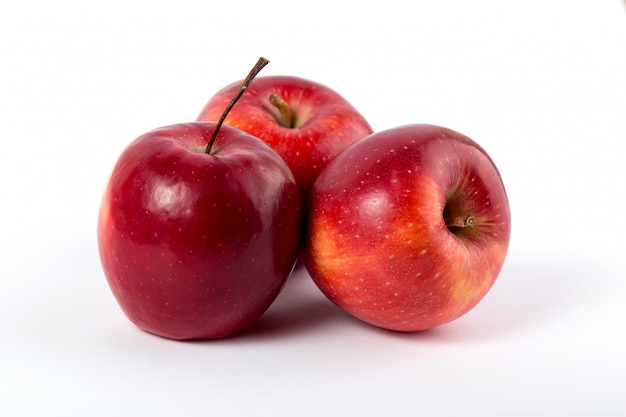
(299,308)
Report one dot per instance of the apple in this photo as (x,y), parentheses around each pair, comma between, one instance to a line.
(198,230)
(306,122)
(408,228)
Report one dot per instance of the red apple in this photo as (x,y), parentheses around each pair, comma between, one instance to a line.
(198,245)
(305,122)
(408,228)
(199,228)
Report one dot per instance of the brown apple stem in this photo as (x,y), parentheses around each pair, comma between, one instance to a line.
(284,118)
(460,221)
(244,85)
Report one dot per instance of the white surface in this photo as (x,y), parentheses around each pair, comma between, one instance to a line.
(540,84)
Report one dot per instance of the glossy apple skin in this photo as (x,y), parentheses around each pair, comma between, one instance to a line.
(325,122)
(196,245)
(377,244)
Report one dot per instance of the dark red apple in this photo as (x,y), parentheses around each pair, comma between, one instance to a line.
(198,245)
(408,228)
(305,122)
(199,228)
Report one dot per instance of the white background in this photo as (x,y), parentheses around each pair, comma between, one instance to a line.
(541,84)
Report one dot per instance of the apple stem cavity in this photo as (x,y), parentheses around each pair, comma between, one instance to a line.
(244,85)
(460,221)
(285,117)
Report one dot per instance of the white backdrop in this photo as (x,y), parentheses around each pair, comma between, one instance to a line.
(540,84)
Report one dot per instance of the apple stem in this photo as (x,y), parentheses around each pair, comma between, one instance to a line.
(244,85)
(460,221)
(284,118)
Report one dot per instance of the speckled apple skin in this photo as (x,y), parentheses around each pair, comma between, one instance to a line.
(197,245)
(377,244)
(325,123)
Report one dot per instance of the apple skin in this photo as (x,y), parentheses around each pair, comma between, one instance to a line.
(377,243)
(197,245)
(322,123)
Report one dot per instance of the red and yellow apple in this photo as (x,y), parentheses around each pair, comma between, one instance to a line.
(306,122)
(408,228)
